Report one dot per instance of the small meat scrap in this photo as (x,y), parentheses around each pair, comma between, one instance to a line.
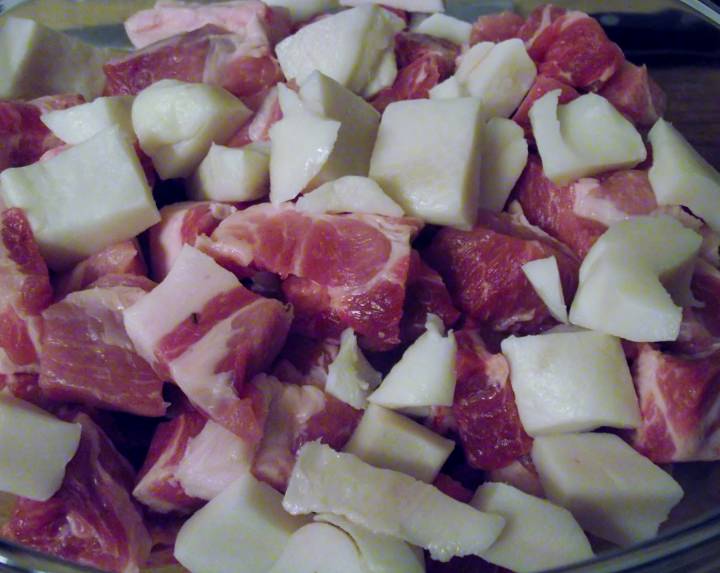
(209,54)
(298,414)
(339,271)
(201,328)
(24,138)
(484,406)
(88,358)
(181,224)
(541,86)
(426,294)
(496,27)
(411,46)
(124,258)
(414,81)
(482,269)
(91,520)
(680,406)
(157,484)
(25,292)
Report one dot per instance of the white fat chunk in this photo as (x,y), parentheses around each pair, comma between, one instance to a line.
(83,200)
(544,276)
(471,59)
(502,78)
(583,137)
(177,122)
(231,174)
(380,553)
(681,176)
(213,460)
(359,123)
(346,46)
(35,447)
(37,61)
(349,194)
(427,157)
(446,28)
(571,381)
(388,503)
(617,299)
(289,101)
(613,491)
(320,548)
(194,279)
(447,89)
(302,10)
(350,376)
(389,440)
(538,534)
(641,258)
(425,375)
(383,76)
(244,530)
(426,6)
(504,155)
(81,122)
(301,145)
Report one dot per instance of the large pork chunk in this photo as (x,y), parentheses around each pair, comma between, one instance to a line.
(92,519)
(484,406)
(24,293)
(209,54)
(250,18)
(339,271)
(483,271)
(208,333)
(88,358)
(680,405)
(636,95)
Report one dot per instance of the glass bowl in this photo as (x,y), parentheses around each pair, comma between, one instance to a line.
(679,40)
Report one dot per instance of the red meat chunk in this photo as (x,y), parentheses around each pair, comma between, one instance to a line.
(121,259)
(496,27)
(23,136)
(453,488)
(92,519)
(250,18)
(339,271)
(426,293)
(410,46)
(209,54)
(680,405)
(24,293)
(634,93)
(88,358)
(484,406)
(579,213)
(157,485)
(582,55)
(539,30)
(414,81)
(482,270)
